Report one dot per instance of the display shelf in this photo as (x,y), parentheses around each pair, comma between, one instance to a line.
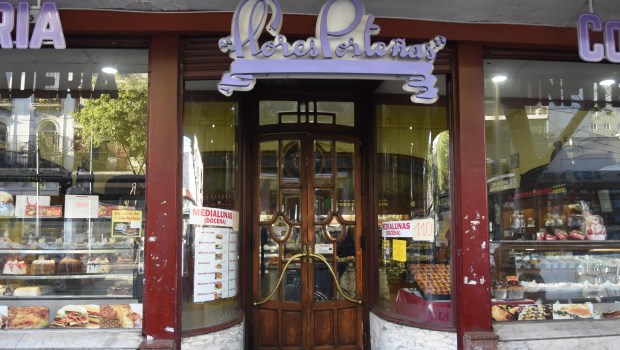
(106,276)
(65,251)
(68,297)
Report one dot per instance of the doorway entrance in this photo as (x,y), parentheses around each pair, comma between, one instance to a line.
(307,256)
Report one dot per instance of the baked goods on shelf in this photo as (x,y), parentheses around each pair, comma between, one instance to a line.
(98,265)
(27,317)
(515,290)
(120,288)
(32,291)
(15,267)
(433,279)
(69,265)
(123,264)
(43,267)
(115,316)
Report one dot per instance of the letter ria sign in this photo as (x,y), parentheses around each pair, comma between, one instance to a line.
(342,48)
(47,26)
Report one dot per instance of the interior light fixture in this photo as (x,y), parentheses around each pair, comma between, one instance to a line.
(499,78)
(607,82)
(109,70)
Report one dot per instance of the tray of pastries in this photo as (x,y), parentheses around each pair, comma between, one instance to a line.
(433,280)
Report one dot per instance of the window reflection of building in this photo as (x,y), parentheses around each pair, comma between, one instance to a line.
(3,135)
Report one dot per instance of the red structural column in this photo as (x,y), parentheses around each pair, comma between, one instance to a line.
(163,198)
(472,273)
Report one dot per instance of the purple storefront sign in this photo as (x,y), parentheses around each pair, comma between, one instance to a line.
(47,26)
(334,52)
(596,52)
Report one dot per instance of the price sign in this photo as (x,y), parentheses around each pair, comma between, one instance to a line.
(423,230)
(418,229)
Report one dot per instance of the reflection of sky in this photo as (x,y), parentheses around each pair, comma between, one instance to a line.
(592,153)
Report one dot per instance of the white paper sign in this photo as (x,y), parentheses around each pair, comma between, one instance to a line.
(81,207)
(22,201)
(397,229)
(418,229)
(424,230)
(323,248)
(215,263)
(211,217)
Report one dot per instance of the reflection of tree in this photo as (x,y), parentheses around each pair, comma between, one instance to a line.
(119,121)
(442,148)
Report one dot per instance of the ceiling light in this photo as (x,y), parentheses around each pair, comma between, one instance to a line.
(109,70)
(607,82)
(499,78)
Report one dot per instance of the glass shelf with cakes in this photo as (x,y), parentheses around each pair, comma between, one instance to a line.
(562,273)
(67,258)
(68,273)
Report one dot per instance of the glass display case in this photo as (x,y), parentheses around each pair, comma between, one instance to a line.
(553,189)
(69,257)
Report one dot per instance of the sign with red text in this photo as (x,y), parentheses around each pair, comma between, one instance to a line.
(211,216)
(418,229)
(81,207)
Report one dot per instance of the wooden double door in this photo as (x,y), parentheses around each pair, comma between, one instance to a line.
(307,256)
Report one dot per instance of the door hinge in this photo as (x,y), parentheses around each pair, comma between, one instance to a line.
(362,242)
(365,339)
(251,242)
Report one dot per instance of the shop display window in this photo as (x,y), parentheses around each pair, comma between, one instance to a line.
(210,208)
(72,188)
(553,166)
(413,208)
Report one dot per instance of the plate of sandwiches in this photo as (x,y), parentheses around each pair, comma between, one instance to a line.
(572,311)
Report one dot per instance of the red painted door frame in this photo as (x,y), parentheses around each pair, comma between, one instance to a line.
(471,257)
(163,198)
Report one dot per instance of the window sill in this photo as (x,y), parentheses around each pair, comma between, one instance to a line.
(519,331)
(71,338)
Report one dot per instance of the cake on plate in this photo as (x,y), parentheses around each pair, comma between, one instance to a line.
(32,291)
(98,265)
(123,264)
(15,267)
(43,267)
(69,265)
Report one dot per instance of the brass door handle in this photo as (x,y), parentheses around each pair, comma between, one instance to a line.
(331,270)
(275,288)
(307,253)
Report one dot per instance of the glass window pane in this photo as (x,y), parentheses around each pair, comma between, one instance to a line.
(273,112)
(72,161)
(345,178)
(269,178)
(291,162)
(323,163)
(210,179)
(553,185)
(413,176)
(344,112)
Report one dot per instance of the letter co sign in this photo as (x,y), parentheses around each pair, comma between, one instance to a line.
(46,28)
(596,52)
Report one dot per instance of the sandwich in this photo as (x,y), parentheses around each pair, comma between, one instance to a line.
(93,313)
(71,316)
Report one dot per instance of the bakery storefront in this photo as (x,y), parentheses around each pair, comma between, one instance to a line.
(262,180)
